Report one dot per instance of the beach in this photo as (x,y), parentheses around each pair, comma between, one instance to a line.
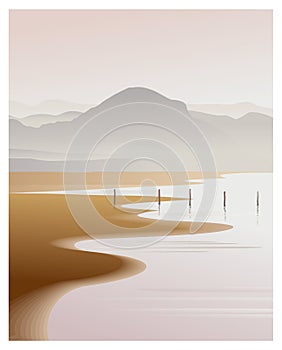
(47,181)
(42,270)
(215,286)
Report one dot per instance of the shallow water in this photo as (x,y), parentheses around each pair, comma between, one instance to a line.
(215,286)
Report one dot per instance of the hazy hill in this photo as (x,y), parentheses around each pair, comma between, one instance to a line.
(41,119)
(53,107)
(235,110)
(243,144)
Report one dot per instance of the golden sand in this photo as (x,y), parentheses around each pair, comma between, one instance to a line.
(41,271)
(42,181)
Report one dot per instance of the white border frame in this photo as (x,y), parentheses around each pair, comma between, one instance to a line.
(5,6)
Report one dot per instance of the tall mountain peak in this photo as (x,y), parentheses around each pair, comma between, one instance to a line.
(142,94)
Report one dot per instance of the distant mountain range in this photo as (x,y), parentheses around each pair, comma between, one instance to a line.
(53,107)
(37,120)
(236,110)
(243,144)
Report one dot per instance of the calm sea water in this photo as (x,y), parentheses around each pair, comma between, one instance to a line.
(215,286)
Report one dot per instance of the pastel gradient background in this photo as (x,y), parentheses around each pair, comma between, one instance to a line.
(197,56)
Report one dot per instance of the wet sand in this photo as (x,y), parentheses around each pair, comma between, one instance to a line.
(41,270)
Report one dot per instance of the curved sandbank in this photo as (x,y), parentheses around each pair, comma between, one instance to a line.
(41,272)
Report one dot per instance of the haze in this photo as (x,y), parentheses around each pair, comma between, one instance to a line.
(199,56)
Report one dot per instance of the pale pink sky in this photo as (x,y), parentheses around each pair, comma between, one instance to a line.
(199,56)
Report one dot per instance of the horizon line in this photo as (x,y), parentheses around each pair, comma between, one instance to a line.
(87,104)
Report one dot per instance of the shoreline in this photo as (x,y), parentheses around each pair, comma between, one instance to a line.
(29,313)
(42,270)
(43,181)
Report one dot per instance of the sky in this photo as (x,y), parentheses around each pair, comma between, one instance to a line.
(197,56)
